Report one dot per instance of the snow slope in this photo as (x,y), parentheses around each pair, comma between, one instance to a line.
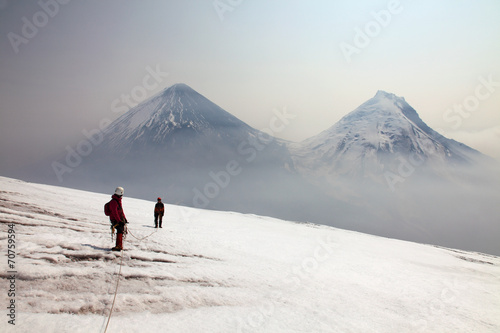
(209,271)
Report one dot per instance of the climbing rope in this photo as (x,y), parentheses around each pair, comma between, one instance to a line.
(116,292)
(120,272)
(143,238)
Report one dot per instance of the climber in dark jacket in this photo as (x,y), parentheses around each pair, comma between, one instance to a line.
(159,211)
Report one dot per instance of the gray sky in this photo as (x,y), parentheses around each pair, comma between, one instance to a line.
(64,67)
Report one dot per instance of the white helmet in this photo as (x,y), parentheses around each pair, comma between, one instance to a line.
(119,191)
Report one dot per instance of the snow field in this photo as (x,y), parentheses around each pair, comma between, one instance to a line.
(209,271)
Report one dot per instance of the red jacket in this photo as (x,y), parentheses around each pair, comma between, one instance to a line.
(115,206)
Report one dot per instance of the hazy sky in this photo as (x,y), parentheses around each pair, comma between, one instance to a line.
(65,66)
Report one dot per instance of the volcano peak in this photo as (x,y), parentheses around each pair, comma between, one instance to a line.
(387,95)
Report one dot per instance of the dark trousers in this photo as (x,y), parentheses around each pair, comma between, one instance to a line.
(158,217)
(119,226)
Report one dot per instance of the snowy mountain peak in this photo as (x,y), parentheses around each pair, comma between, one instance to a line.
(181,86)
(176,109)
(178,88)
(383,94)
(379,133)
(379,108)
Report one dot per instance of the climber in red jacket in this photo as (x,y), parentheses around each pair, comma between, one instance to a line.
(117,217)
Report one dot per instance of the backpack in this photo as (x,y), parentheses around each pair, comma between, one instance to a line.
(107,210)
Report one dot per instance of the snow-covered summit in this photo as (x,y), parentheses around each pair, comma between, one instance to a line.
(176,109)
(365,142)
(383,105)
(387,95)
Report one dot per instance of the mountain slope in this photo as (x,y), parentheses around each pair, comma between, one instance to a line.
(175,112)
(375,138)
(224,272)
(176,134)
